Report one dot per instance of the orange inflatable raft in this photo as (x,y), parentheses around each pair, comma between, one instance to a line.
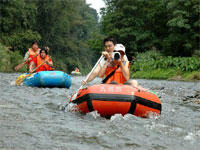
(110,99)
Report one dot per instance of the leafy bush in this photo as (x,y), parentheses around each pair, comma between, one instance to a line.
(152,60)
(9,59)
(21,41)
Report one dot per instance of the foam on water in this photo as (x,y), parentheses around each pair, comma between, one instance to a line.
(13,83)
(94,114)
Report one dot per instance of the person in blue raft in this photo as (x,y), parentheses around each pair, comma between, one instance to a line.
(42,62)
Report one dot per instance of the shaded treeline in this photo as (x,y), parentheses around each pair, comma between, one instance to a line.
(170,26)
(72,31)
(63,25)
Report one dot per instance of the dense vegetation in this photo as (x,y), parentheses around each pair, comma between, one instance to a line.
(74,33)
(170,26)
(65,26)
(9,59)
(152,64)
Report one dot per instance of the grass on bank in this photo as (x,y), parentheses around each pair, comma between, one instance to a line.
(167,74)
(153,65)
(154,74)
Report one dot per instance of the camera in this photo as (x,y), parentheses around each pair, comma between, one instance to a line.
(116,55)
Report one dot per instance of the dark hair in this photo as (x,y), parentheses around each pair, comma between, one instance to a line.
(109,39)
(43,49)
(34,42)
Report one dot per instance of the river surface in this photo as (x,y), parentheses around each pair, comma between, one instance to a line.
(32,119)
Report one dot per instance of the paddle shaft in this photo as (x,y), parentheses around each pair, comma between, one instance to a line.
(32,58)
(92,71)
(18,82)
(23,63)
(74,96)
(40,65)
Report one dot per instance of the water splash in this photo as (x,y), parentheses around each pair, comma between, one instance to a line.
(153,115)
(189,137)
(192,136)
(71,107)
(116,117)
(13,82)
(94,114)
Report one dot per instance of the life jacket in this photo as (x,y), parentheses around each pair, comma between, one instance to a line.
(32,54)
(117,76)
(44,67)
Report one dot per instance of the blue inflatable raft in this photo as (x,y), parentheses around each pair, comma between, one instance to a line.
(48,79)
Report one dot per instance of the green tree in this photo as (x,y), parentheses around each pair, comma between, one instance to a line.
(17,20)
(65,26)
(170,26)
(183,28)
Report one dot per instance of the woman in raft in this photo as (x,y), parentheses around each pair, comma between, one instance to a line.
(43,57)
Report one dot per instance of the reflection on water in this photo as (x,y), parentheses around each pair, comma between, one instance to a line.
(31,118)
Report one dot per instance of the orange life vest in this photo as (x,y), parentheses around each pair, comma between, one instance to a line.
(32,54)
(44,67)
(117,76)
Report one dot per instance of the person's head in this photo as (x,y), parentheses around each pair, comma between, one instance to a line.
(35,45)
(109,44)
(43,53)
(76,69)
(120,48)
(47,48)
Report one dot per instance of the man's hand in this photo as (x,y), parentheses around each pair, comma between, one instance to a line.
(83,82)
(118,62)
(28,59)
(106,55)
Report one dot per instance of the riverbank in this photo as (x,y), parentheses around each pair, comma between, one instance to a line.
(167,74)
(153,65)
(149,65)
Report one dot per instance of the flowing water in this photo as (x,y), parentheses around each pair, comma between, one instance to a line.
(31,119)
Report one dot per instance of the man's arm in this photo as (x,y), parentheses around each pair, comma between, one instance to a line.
(102,69)
(26,56)
(125,70)
(92,76)
(31,66)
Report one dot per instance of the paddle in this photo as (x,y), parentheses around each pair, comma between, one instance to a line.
(20,80)
(75,95)
(23,63)
(90,72)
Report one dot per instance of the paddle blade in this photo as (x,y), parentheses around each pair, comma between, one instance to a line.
(20,79)
(19,66)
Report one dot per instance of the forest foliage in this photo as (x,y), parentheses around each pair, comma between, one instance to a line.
(74,32)
(170,26)
(65,26)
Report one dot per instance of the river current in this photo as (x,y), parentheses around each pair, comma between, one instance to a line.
(31,119)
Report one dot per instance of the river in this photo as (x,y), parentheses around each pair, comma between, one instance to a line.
(31,119)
